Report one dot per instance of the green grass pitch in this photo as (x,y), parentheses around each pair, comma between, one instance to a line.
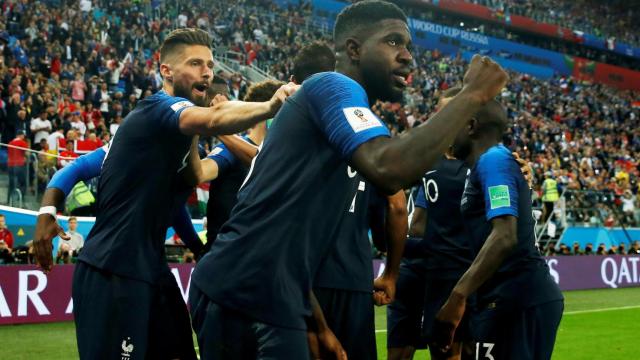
(597,324)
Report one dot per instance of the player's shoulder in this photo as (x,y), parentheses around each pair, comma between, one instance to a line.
(328,80)
(161,98)
(495,155)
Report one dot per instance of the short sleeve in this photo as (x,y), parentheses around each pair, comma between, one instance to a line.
(168,110)
(421,198)
(83,168)
(223,157)
(341,110)
(497,172)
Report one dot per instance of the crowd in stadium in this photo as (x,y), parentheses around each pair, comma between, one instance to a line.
(612,19)
(74,73)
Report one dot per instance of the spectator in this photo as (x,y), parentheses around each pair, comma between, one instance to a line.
(588,250)
(622,249)
(576,249)
(635,248)
(77,240)
(46,166)
(67,156)
(54,140)
(5,234)
(78,125)
(113,128)
(41,128)
(16,163)
(602,250)
(613,250)
(550,195)
(63,255)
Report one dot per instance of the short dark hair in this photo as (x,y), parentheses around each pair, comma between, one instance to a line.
(313,58)
(262,91)
(364,14)
(183,37)
(73,218)
(492,117)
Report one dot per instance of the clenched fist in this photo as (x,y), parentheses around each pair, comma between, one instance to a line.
(484,78)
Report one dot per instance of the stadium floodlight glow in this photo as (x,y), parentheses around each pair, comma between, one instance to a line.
(461,24)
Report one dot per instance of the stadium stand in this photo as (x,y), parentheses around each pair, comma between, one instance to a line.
(83,66)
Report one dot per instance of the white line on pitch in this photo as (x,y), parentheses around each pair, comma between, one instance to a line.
(601,310)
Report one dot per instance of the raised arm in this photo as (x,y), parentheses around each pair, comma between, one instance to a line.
(241,149)
(393,164)
(230,117)
(184,228)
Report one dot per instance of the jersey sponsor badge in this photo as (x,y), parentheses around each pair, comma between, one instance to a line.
(499,196)
(361,118)
(181,105)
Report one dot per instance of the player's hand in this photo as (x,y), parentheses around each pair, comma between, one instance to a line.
(384,290)
(328,346)
(46,229)
(484,78)
(219,98)
(281,96)
(525,168)
(447,320)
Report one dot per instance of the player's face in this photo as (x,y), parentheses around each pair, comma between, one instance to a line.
(192,74)
(385,60)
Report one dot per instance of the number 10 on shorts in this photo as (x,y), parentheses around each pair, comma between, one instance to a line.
(485,349)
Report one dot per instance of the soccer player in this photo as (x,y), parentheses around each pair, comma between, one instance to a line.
(251,295)
(126,302)
(437,253)
(519,306)
(226,171)
(343,286)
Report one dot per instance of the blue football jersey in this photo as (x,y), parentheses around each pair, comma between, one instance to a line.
(446,243)
(496,187)
(299,191)
(135,193)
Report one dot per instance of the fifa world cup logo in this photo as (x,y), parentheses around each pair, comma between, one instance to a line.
(360,115)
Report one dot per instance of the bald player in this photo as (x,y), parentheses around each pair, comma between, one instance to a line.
(519,306)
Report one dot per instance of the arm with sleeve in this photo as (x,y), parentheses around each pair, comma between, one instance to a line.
(497,176)
(223,158)
(341,111)
(83,168)
(183,226)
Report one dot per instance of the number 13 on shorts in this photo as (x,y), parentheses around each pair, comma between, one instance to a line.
(483,351)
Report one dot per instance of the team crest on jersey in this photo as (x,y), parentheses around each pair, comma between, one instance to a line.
(499,196)
(127,348)
(361,118)
(181,105)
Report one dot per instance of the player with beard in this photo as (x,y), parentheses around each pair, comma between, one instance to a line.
(126,301)
(251,294)
(343,285)
(519,306)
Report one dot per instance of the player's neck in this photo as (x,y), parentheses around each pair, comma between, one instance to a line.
(355,74)
(166,87)
(258,133)
(479,147)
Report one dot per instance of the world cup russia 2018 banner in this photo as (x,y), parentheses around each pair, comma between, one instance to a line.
(27,295)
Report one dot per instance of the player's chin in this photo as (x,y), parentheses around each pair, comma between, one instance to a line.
(393,94)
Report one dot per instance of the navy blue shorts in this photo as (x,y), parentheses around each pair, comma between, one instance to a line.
(526,334)
(350,316)
(404,315)
(224,333)
(122,318)
(437,291)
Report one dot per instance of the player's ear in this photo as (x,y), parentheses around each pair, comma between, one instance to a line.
(166,72)
(353,49)
(472,126)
